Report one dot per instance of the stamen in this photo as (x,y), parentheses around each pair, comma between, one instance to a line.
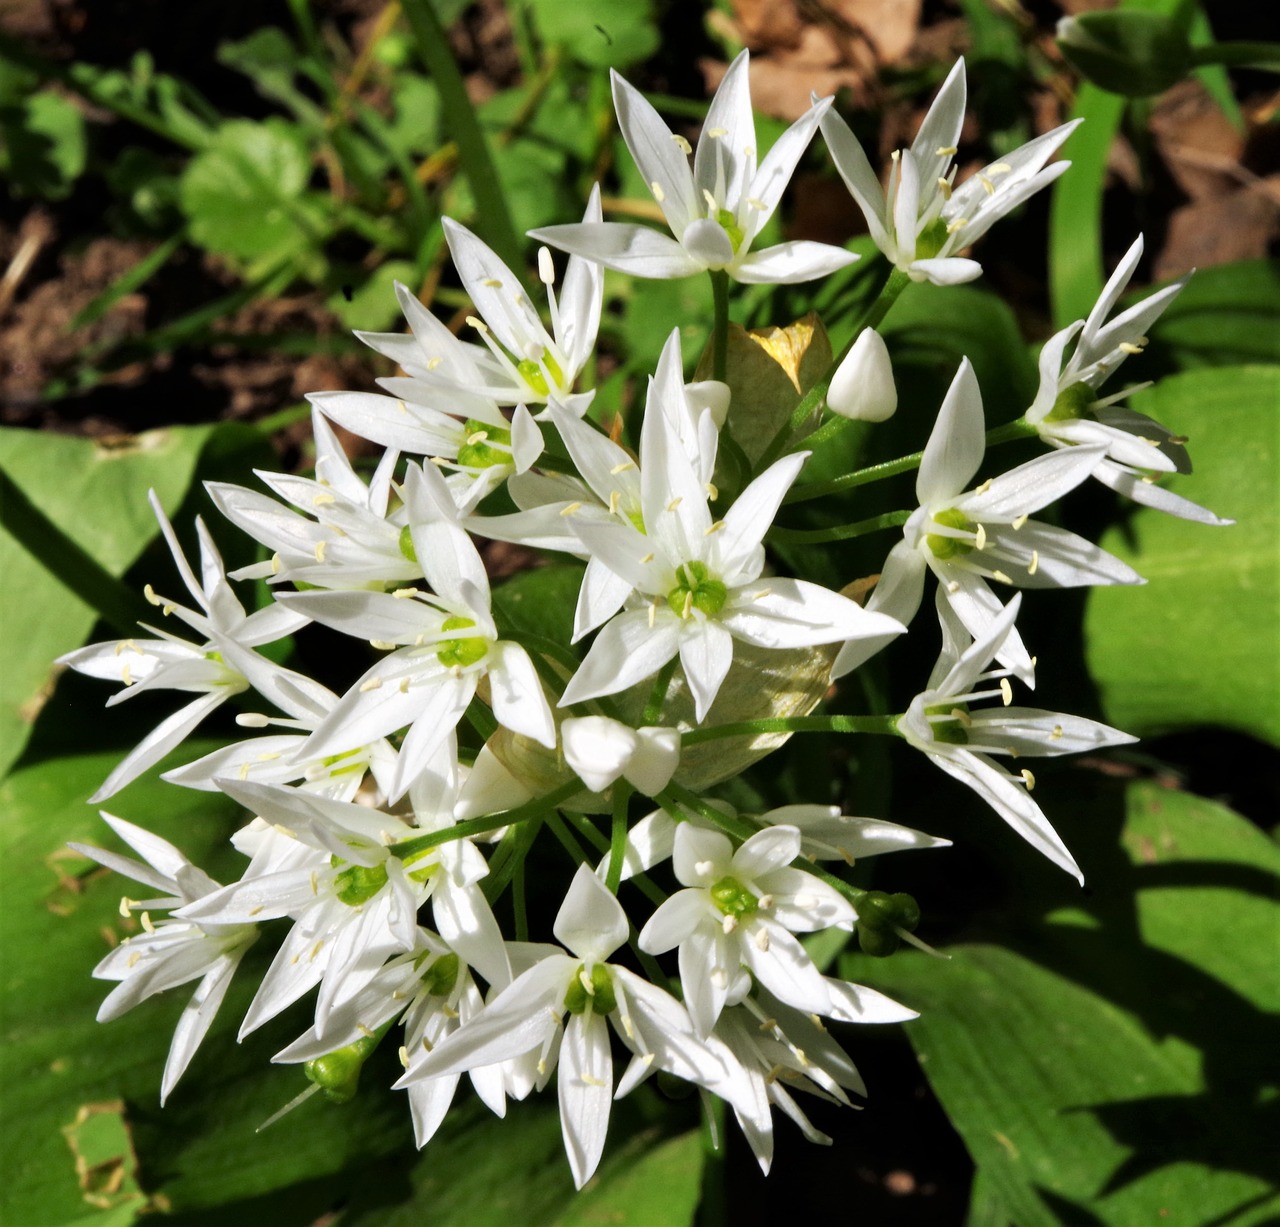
(571,508)
(944,186)
(761,940)
(374,683)
(959,224)
(675,502)
(987,185)
(980,538)
(323,500)
(682,144)
(492,282)
(647,559)
(321,546)
(717,133)
(946,151)
(383,645)
(546,269)
(999,168)
(715,528)
(1001,577)
(622,468)
(1127,347)
(1006,691)
(1034,565)
(658,194)
(1019,522)
(1028,779)
(403,594)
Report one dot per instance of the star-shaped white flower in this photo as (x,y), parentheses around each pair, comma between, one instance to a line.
(923,218)
(172,952)
(942,723)
(1067,413)
(969,537)
(739,911)
(714,210)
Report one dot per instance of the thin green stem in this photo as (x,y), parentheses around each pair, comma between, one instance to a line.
(407,849)
(493,219)
(843,532)
(568,840)
(509,859)
(517,901)
(1019,429)
(1239,55)
(789,724)
(720,333)
(618,835)
(658,695)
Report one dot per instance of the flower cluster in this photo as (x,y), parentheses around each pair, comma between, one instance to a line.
(388,821)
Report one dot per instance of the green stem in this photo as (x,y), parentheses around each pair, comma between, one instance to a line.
(843,532)
(814,400)
(517,901)
(1019,429)
(618,835)
(509,859)
(493,217)
(789,724)
(658,695)
(408,849)
(720,333)
(1239,55)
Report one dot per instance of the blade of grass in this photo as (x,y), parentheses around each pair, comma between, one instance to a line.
(131,280)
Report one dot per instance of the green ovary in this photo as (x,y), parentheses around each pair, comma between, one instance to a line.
(533,374)
(460,652)
(442,976)
(482,453)
(695,589)
(600,999)
(1073,403)
(406,544)
(932,239)
(729,224)
(357,884)
(951,730)
(734,899)
(950,547)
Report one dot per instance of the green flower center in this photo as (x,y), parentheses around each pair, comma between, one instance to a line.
(535,373)
(729,223)
(695,589)
(479,451)
(406,544)
(1073,403)
(460,652)
(950,547)
(357,884)
(441,977)
(338,1073)
(734,899)
(599,998)
(951,730)
(932,239)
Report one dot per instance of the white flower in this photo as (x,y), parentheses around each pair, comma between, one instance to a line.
(967,537)
(739,910)
(716,210)
(341,535)
(940,722)
(528,1017)
(1067,413)
(601,750)
(172,952)
(862,388)
(924,218)
(223,665)
(450,644)
(696,583)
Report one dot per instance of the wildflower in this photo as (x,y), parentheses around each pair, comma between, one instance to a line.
(862,388)
(716,210)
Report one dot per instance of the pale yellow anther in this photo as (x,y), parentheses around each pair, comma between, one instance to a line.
(980,538)
(944,186)
(896,156)
(717,133)
(1001,577)
(1056,735)
(715,528)
(986,485)
(383,645)
(946,151)
(477,323)
(768,1024)
(956,226)
(403,1054)
(758,205)
(592,1080)
(1019,522)
(962,716)
(712,206)
(323,500)
(999,168)
(315,950)
(953,586)
(647,559)
(405,594)
(675,502)
(658,193)
(761,940)
(765,902)
(275,564)
(760,596)
(133,959)
(492,283)
(749,151)
(374,683)
(150,593)
(315,882)
(404,685)
(367,1032)
(258,909)
(570,509)
(728,924)
(1028,779)
(682,144)
(1034,565)
(244,771)
(321,546)
(713,491)
(653,615)
(126,674)
(1006,691)
(615,497)
(987,185)
(432,363)
(125,904)
(1127,347)
(688,605)
(622,468)
(479,437)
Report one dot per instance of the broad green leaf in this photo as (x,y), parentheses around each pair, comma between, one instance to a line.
(94,492)
(245,195)
(541,601)
(604,34)
(659,1189)
(44,148)
(1225,316)
(1197,644)
(1115,1069)
(373,305)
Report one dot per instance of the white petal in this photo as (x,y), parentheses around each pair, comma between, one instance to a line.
(515,689)
(957,442)
(856,171)
(855,1003)
(657,155)
(792,613)
(590,921)
(725,161)
(1031,486)
(626,651)
(766,850)
(675,920)
(707,243)
(701,856)
(946,270)
(784,968)
(586,1092)
(627,248)
(747,521)
(655,761)
(862,389)
(793,261)
(598,749)
(706,652)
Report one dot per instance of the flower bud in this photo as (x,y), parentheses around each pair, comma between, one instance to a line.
(600,750)
(862,388)
(1129,53)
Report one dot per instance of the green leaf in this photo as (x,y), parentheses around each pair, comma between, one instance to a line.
(659,1189)
(541,601)
(95,494)
(245,195)
(44,148)
(373,306)
(1196,644)
(1228,315)
(604,34)
(1115,1068)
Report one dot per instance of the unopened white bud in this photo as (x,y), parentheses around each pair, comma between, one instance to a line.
(862,388)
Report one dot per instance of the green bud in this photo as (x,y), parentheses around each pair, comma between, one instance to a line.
(695,589)
(357,884)
(1127,52)
(599,999)
(460,652)
(950,547)
(880,917)
(481,454)
(733,899)
(338,1073)
(406,544)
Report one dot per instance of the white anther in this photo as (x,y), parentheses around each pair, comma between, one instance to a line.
(702,868)
(761,940)
(546,269)
(728,924)
(374,683)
